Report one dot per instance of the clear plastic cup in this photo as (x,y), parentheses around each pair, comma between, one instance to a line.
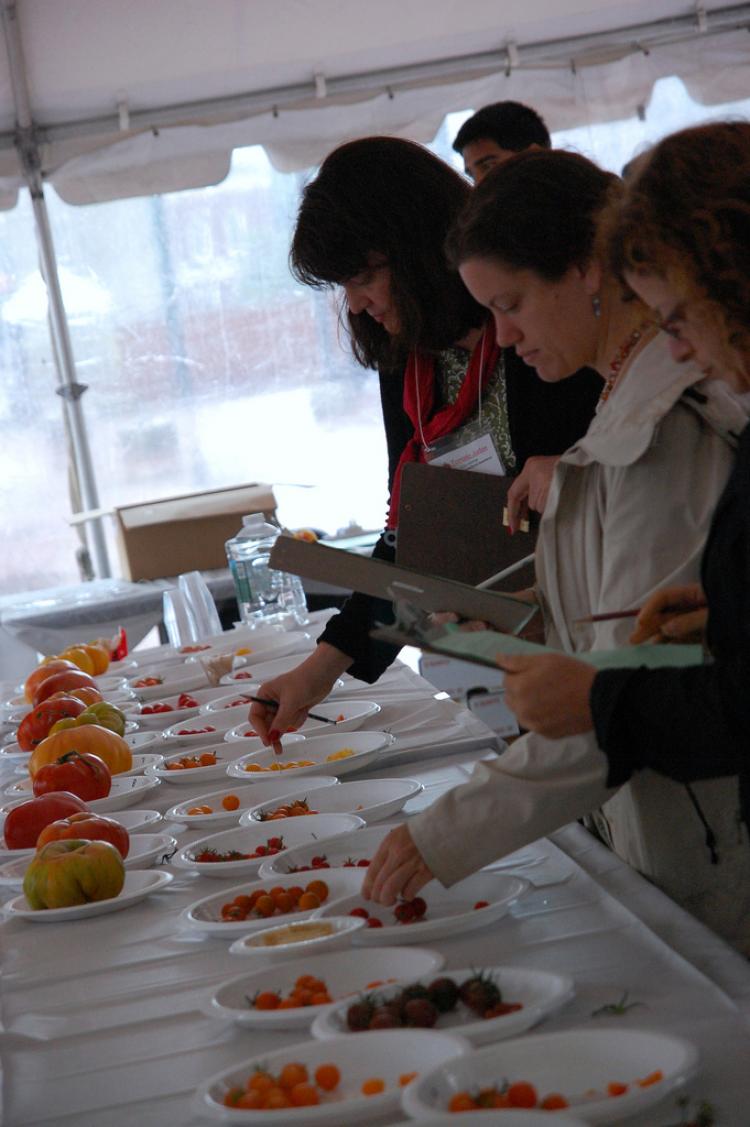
(177,617)
(200,604)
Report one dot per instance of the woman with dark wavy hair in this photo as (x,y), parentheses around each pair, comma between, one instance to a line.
(629,510)
(680,238)
(373,222)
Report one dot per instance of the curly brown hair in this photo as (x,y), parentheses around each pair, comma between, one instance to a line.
(387,197)
(685,216)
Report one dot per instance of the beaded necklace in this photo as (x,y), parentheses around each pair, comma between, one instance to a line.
(615,367)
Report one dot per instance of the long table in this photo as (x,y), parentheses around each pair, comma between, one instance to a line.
(103,1021)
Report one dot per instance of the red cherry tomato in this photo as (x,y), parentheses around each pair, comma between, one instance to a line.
(26,821)
(85,775)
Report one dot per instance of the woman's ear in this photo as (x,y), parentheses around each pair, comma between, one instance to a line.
(592,277)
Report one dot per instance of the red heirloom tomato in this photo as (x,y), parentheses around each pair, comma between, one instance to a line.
(26,821)
(36,724)
(42,672)
(90,827)
(63,682)
(85,775)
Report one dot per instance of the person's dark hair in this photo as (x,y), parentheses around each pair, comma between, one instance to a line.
(392,198)
(537,211)
(512,125)
(685,215)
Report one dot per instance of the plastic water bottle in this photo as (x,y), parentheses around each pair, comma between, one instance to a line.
(264,595)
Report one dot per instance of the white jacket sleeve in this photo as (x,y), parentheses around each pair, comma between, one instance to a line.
(532,789)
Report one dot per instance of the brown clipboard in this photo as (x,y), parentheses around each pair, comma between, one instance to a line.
(389,581)
(450,524)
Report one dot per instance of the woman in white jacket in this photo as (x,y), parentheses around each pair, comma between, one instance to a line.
(628,512)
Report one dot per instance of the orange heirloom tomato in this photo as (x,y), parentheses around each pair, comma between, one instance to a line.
(64,873)
(88,694)
(110,747)
(63,681)
(42,672)
(91,827)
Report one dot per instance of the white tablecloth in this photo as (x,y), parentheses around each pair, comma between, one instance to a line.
(103,1024)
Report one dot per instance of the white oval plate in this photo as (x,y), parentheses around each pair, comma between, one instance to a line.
(144,850)
(173,679)
(267,670)
(174,737)
(501,1119)
(340,852)
(264,649)
(354,712)
(13,751)
(158,721)
(301,945)
(539,993)
(134,821)
(240,698)
(139,883)
(125,791)
(205,914)
(345,973)
(572,1063)
(275,787)
(357,1058)
(140,741)
(194,776)
(140,762)
(450,911)
(318,827)
(371,799)
(364,745)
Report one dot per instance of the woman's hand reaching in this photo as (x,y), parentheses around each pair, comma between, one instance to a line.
(296,693)
(397,869)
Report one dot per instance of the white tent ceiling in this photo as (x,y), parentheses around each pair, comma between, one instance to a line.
(136,96)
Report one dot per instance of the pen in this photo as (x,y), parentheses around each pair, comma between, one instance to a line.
(275,704)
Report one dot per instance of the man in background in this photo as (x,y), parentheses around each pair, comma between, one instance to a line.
(497,132)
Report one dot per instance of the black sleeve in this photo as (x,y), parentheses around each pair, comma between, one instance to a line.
(685,723)
(547,418)
(349,630)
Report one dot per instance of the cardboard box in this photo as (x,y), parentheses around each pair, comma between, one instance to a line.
(186,533)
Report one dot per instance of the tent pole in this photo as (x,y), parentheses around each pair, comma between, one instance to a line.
(69,390)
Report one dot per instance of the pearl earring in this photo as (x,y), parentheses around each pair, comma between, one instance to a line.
(596,305)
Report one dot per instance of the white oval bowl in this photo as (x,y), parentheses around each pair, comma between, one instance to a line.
(539,993)
(366,746)
(450,911)
(205,914)
(358,846)
(357,1058)
(194,776)
(276,787)
(572,1062)
(346,973)
(371,799)
(317,828)
(174,736)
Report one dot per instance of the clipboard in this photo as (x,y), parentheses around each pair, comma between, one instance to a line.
(450,524)
(413,628)
(384,580)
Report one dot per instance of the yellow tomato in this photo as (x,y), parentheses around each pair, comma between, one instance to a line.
(79,657)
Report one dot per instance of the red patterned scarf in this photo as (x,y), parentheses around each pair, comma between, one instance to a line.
(419,403)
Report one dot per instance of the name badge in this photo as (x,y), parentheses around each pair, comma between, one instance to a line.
(477,453)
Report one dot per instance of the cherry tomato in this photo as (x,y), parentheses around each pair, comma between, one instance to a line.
(85,775)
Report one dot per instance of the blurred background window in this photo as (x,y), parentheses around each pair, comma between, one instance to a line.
(207,364)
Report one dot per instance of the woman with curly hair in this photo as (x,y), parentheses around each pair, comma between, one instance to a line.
(373,222)
(680,237)
(629,510)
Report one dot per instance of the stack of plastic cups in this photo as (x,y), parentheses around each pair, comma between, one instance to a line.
(200,603)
